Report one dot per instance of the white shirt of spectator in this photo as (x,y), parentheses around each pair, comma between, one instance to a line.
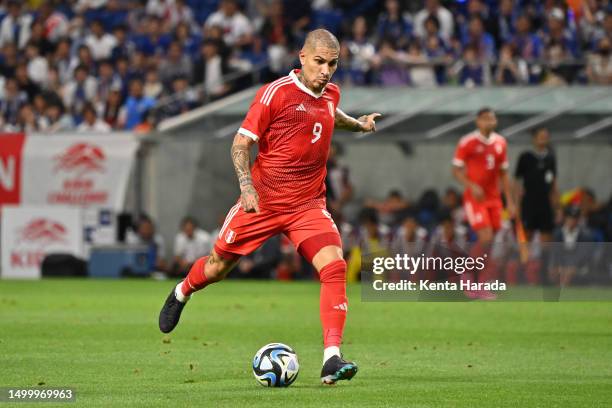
(214,76)
(234,27)
(131,238)
(99,126)
(7,30)
(38,70)
(70,88)
(192,249)
(102,47)
(445,18)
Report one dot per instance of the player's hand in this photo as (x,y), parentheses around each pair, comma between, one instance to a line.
(512,210)
(477,192)
(368,122)
(249,199)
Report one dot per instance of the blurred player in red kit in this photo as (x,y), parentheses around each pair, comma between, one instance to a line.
(292,119)
(479,164)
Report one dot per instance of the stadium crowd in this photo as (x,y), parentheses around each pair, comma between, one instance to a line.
(99,65)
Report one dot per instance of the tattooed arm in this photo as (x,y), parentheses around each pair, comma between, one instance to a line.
(365,123)
(242,165)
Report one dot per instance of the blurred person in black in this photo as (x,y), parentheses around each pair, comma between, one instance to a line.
(570,256)
(537,191)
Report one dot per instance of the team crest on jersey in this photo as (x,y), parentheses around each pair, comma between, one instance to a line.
(498,149)
(332,111)
(230,236)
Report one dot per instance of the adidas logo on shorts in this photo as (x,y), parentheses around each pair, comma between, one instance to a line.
(341,306)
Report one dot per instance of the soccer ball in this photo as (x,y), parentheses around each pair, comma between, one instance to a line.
(275,365)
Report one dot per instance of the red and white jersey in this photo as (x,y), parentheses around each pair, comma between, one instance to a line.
(293,127)
(483,159)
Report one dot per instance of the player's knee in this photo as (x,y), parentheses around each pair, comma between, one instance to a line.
(333,272)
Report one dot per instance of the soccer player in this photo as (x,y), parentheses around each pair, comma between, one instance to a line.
(480,162)
(537,169)
(292,119)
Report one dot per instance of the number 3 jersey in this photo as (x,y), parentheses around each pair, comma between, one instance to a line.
(293,127)
(483,159)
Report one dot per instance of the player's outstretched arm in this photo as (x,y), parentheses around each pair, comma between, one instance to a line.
(365,123)
(242,165)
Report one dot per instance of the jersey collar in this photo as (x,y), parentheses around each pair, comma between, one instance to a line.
(304,88)
(486,140)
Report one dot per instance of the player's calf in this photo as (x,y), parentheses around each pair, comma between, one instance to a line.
(203,272)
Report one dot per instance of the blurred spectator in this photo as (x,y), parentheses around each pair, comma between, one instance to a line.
(410,238)
(389,65)
(236,27)
(135,107)
(557,71)
(210,68)
(38,36)
(154,41)
(57,119)
(123,47)
(558,33)
(391,209)
(510,69)
(452,204)
(62,60)
(189,41)
(433,8)
(568,258)
(276,32)
(526,42)
(15,26)
(26,120)
(183,98)
(190,243)
(152,85)
(361,51)
(107,79)
(448,238)
(83,58)
(393,24)
(505,22)
(24,82)
(79,90)
(476,37)
(112,108)
(8,60)
(599,65)
(91,122)
(175,64)
(10,103)
(100,43)
(421,71)
(605,31)
(472,71)
(144,234)
(338,183)
(593,215)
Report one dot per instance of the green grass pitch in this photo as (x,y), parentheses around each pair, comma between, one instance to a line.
(101,338)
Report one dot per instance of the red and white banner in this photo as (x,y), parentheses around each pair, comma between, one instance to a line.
(91,171)
(10,168)
(30,233)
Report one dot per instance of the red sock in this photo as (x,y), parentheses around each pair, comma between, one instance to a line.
(196,279)
(333,304)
